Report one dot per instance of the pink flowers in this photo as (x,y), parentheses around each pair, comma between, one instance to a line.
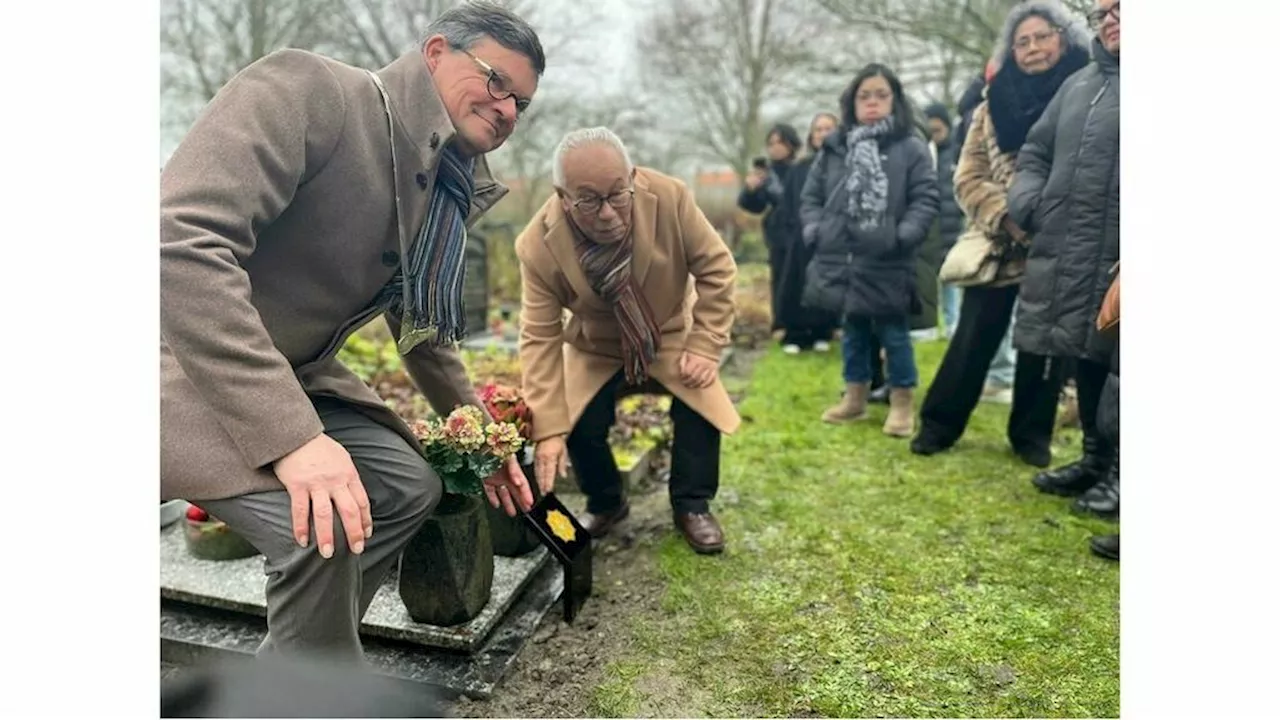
(464,450)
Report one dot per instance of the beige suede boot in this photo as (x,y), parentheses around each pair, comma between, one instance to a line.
(902,418)
(853,406)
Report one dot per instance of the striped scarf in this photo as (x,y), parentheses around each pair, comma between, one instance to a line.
(430,304)
(608,270)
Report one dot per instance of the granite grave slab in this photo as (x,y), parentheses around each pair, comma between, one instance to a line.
(194,634)
(239,585)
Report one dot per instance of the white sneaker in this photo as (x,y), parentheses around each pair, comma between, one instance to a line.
(791,349)
(822,346)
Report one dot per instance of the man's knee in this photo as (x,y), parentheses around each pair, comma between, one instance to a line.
(411,490)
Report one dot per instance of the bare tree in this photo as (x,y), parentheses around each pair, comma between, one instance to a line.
(203,43)
(937,45)
(720,64)
(376,32)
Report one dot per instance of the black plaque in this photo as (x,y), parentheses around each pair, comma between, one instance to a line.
(570,544)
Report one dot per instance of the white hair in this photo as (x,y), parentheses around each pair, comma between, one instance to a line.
(582,138)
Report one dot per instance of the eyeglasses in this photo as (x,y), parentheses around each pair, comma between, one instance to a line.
(592,204)
(1097,17)
(1039,39)
(498,85)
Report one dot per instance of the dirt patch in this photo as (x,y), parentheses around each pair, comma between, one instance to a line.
(558,672)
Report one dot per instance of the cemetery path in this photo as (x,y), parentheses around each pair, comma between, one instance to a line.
(859,581)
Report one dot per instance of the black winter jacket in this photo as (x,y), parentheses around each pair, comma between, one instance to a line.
(1066,194)
(867,273)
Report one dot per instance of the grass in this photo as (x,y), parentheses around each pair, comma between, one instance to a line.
(861,580)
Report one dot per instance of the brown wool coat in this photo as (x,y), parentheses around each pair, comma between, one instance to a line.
(687,275)
(278,226)
(982,179)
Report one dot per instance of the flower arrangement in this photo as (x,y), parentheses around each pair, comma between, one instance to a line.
(505,404)
(465,450)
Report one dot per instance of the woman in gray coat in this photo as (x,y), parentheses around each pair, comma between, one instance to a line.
(1067,195)
(868,203)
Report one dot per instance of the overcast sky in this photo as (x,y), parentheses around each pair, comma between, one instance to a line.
(609,44)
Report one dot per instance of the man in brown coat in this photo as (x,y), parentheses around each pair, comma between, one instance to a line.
(310,197)
(649,285)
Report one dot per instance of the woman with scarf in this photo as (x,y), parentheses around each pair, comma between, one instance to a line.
(869,201)
(1040,49)
(776,189)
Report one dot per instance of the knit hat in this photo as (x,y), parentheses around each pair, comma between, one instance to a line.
(938,111)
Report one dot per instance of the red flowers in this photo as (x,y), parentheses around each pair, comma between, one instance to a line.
(505,405)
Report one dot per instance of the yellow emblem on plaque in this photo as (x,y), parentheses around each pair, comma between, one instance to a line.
(561,526)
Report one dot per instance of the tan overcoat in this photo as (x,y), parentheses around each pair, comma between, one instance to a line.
(281,218)
(686,273)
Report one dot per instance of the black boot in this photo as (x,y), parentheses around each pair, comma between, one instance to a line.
(1102,500)
(1107,546)
(1074,479)
(928,442)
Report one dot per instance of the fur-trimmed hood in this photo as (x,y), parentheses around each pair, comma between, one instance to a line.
(1073,32)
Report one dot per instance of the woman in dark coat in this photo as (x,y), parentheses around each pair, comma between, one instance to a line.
(775,189)
(1040,49)
(867,205)
(1067,196)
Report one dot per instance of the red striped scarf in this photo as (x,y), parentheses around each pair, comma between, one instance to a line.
(608,270)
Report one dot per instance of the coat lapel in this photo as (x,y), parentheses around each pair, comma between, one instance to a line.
(559,239)
(645,224)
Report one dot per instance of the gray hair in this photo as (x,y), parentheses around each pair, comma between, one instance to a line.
(1052,12)
(467,24)
(582,138)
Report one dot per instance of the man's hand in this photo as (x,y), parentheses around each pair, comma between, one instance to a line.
(508,483)
(697,371)
(549,462)
(755,179)
(318,476)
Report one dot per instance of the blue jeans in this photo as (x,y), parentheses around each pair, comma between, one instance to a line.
(950,302)
(1003,365)
(895,338)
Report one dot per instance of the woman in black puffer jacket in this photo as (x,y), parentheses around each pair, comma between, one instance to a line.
(867,205)
(1067,195)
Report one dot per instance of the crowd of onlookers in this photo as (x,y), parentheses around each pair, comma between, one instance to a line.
(1004,220)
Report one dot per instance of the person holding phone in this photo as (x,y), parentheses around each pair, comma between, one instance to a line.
(773,186)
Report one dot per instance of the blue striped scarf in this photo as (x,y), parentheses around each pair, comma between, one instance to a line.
(430,305)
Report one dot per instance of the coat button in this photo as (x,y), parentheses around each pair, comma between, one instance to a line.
(423,180)
(435,140)
(390,258)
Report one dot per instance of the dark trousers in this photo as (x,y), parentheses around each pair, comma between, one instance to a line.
(695,455)
(956,389)
(1091,377)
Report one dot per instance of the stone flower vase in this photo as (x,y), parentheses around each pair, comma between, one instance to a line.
(446,572)
(512,536)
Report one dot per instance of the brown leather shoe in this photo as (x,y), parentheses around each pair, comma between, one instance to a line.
(702,532)
(597,526)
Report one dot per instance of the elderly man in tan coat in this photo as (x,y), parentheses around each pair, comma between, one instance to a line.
(648,283)
(310,197)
